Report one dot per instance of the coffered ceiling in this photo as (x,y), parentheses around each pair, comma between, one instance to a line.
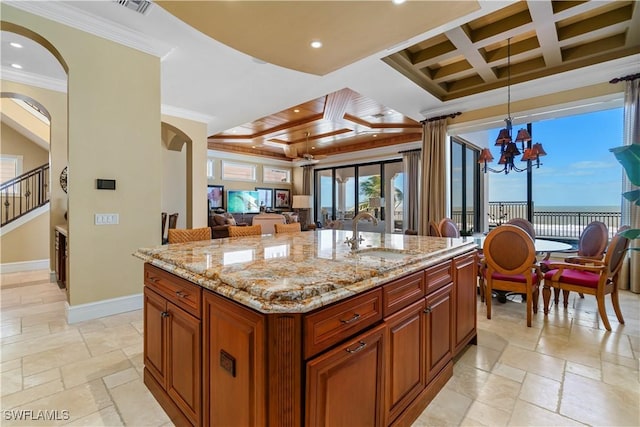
(339,122)
(543,38)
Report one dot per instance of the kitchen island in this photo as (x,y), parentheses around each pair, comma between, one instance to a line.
(298,329)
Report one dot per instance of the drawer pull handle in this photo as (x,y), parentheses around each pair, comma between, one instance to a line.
(355,317)
(153,279)
(181,294)
(427,310)
(360,346)
(165,314)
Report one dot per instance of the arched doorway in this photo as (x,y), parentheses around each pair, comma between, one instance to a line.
(37,103)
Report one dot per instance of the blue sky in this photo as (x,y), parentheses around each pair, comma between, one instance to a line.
(578,170)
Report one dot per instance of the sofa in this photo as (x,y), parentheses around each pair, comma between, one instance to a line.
(267,221)
(219,223)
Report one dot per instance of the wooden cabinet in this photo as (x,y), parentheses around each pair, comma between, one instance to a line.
(234,364)
(374,359)
(465,276)
(345,385)
(406,358)
(172,347)
(439,322)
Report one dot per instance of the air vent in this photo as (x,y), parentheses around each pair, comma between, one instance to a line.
(140,6)
(377,115)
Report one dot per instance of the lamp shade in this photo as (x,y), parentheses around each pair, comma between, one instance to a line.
(523,136)
(302,202)
(485,156)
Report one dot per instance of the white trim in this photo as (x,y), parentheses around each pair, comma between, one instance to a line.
(71,16)
(108,307)
(32,79)
(16,267)
(183,113)
(24,219)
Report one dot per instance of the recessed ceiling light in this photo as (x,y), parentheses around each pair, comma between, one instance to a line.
(398,1)
(18,66)
(375,135)
(16,45)
(316,44)
(296,111)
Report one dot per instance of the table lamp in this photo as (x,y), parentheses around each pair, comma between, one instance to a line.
(302,203)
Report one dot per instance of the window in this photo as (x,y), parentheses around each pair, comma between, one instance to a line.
(210,174)
(238,171)
(276,175)
(10,167)
(465,179)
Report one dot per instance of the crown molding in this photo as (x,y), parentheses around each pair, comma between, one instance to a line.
(186,114)
(32,79)
(68,15)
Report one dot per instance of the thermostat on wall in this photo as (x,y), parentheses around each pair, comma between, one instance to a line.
(105,184)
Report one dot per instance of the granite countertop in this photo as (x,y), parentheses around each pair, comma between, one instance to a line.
(299,272)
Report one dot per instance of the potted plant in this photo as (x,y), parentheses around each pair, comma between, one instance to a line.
(629,158)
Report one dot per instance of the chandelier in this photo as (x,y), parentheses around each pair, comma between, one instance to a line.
(508,146)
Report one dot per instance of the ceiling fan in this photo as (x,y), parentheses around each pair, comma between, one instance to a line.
(305,158)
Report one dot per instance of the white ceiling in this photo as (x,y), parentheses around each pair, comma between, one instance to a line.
(205,80)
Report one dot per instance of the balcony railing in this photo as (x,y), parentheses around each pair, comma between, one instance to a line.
(23,194)
(555,224)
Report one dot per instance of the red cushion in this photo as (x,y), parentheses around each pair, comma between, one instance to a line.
(513,278)
(576,277)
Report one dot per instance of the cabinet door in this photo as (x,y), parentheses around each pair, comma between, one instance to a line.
(465,300)
(345,385)
(439,330)
(234,364)
(406,361)
(184,361)
(155,335)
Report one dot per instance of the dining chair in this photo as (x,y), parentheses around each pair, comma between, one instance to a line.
(287,228)
(591,246)
(241,231)
(448,228)
(510,258)
(525,225)
(600,278)
(182,235)
(173,220)
(164,226)
(434,230)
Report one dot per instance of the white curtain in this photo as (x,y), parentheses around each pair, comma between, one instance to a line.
(411,189)
(630,275)
(433,183)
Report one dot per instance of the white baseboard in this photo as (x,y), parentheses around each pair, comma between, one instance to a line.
(15,267)
(95,310)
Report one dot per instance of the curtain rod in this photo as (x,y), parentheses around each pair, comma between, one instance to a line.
(446,116)
(410,151)
(630,77)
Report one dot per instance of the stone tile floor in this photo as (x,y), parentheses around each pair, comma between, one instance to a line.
(564,370)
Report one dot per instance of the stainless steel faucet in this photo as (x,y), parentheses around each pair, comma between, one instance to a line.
(355,240)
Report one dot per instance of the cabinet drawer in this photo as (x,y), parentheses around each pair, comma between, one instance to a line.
(177,290)
(335,323)
(402,292)
(438,276)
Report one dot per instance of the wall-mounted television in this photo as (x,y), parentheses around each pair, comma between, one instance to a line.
(243,201)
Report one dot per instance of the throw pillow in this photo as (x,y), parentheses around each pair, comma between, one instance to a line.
(231,221)
(219,219)
(287,218)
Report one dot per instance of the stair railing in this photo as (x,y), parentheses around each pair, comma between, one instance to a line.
(23,194)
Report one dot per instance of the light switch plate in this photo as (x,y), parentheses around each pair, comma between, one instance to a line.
(107,218)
